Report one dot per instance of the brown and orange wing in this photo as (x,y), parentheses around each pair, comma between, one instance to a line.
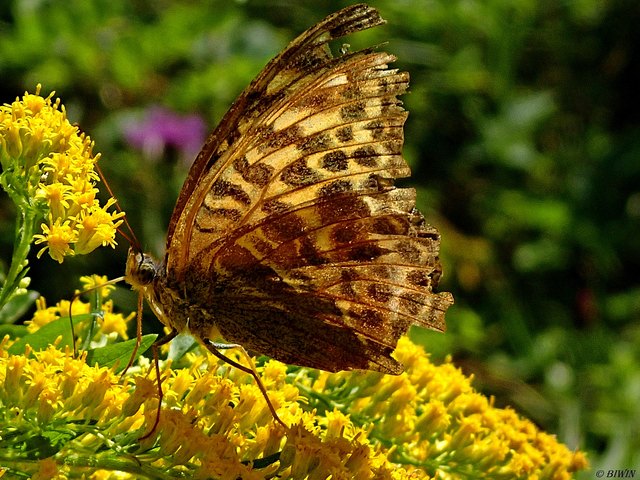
(312,255)
(254,124)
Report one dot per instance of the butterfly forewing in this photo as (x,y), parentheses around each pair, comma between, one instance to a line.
(288,236)
(291,69)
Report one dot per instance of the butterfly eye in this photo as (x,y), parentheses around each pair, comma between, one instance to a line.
(146,269)
(141,269)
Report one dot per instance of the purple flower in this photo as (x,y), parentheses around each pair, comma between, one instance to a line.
(161,128)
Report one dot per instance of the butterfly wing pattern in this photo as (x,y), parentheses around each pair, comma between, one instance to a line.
(289,237)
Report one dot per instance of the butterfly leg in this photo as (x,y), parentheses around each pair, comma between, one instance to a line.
(214,347)
(155,348)
(222,346)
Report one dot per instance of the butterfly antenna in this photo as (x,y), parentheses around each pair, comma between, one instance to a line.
(130,237)
(76,295)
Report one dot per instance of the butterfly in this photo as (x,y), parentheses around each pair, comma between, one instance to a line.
(289,237)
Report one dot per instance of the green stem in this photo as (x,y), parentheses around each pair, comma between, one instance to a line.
(24,235)
(95,305)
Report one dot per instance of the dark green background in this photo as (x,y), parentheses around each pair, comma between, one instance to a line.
(523,138)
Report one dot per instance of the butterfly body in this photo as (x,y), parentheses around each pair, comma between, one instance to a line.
(289,237)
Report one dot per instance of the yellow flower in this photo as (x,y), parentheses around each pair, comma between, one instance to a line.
(145,389)
(115,323)
(42,316)
(59,236)
(48,165)
(57,195)
(96,228)
(99,282)
(112,325)
(427,423)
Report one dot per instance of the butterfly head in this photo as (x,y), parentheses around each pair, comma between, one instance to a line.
(141,269)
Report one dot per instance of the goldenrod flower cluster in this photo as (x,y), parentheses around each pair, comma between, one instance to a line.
(48,167)
(110,325)
(435,421)
(61,418)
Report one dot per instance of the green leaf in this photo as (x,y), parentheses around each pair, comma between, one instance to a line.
(181,345)
(15,308)
(48,333)
(119,353)
(14,331)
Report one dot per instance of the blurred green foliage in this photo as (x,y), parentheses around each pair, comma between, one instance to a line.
(524,140)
